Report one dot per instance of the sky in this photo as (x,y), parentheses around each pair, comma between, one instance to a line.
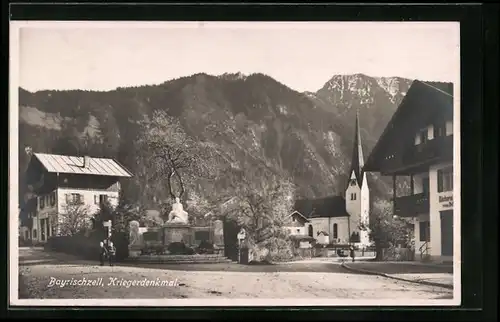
(304,56)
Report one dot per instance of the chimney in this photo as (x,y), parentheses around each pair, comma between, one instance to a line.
(86,161)
(29,151)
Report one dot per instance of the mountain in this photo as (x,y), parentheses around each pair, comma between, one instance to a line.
(257,120)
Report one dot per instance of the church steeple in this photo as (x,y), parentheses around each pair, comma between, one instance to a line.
(357,161)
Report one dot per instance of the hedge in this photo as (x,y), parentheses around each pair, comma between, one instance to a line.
(88,247)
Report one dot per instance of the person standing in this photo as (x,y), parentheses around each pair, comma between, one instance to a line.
(351,250)
(108,251)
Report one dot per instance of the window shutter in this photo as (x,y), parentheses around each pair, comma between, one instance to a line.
(440,180)
(68,198)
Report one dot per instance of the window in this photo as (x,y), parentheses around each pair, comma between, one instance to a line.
(53,199)
(34,234)
(353,196)
(298,230)
(103,199)
(96,199)
(335,231)
(353,182)
(424,231)
(74,198)
(440,129)
(42,226)
(445,179)
(42,202)
(311,231)
(423,133)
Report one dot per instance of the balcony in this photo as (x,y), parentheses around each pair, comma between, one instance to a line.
(437,148)
(411,206)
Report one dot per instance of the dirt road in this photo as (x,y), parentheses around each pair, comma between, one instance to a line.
(57,276)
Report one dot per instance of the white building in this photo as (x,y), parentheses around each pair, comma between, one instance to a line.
(297,224)
(341,217)
(58,184)
(418,144)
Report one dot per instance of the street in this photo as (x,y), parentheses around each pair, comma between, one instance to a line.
(44,275)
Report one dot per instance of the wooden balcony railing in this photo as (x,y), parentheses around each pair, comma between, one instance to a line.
(411,206)
(440,147)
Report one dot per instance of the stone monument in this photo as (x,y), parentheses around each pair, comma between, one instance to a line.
(177,227)
(135,239)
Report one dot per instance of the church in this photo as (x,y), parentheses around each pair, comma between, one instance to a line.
(338,218)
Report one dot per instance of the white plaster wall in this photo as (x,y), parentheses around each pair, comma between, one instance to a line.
(296,230)
(365,212)
(434,209)
(48,209)
(342,228)
(353,207)
(326,224)
(88,198)
(416,222)
(323,239)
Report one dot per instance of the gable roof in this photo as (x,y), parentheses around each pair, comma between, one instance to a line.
(333,206)
(70,164)
(423,102)
(298,213)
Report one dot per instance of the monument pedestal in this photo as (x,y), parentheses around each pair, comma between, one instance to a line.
(177,232)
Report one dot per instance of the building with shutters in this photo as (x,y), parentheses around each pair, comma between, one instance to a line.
(57,182)
(417,144)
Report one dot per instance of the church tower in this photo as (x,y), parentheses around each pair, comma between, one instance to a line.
(357,194)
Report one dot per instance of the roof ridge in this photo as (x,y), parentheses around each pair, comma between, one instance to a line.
(436,88)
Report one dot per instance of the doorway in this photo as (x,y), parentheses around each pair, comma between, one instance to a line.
(446,232)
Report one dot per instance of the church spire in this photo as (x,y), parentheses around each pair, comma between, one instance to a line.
(357,161)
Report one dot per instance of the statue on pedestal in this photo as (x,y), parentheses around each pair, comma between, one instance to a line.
(178,214)
(134,238)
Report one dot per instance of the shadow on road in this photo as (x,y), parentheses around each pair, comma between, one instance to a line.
(31,256)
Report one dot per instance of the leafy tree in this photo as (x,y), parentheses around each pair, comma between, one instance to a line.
(261,201)
(385,229)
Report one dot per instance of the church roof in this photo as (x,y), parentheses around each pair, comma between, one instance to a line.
(333,206)
(357,159)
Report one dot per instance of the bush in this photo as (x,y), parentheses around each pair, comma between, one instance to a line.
(88,247)
(205,247)
(280,250)
(179,248)
(120,240)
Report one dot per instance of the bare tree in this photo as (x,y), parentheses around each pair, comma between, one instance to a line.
(172,156)
(73,219)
